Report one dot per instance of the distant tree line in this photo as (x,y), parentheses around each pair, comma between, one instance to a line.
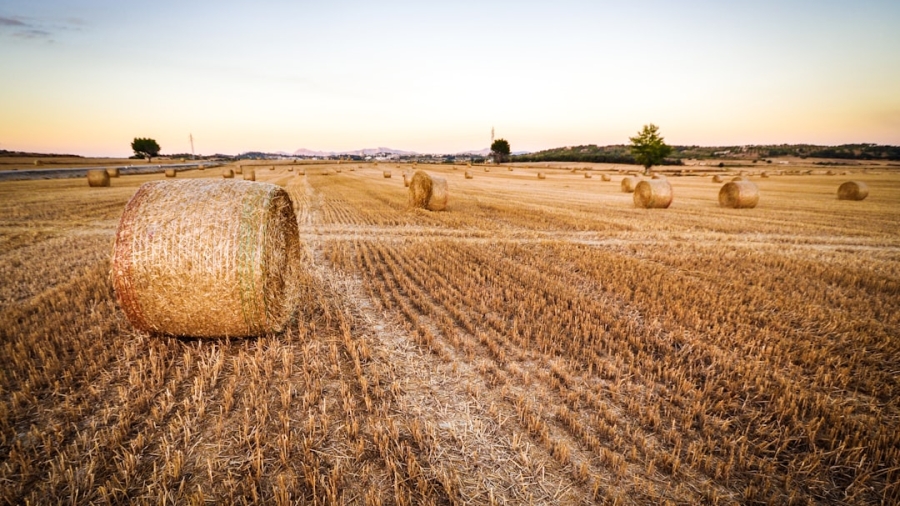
(621,154)
(4,152)
(589,153)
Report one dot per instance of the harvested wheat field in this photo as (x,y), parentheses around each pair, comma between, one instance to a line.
(536,342)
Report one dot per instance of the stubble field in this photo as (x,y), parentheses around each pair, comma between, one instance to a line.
(540,342)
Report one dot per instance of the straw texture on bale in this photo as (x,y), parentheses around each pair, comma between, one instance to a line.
(717,178)
(228,174)
(469,175)
(428,192)
(249,175)
(170,173)
(653,194)
(114,172)
(853,190)
(628,184)
(207,258)
(605,177)
(387,174)
(98,178)
(739,195)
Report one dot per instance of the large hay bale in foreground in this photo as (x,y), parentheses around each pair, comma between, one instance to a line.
(113,172)
(228,174)
(739,195)
(717,178)
(853,190)
(249,175)
(207,258)
(653,194)
(428,192)
(98,178)
(171,173)
(628,183)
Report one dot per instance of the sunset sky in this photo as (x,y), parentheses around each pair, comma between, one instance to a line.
(86,77)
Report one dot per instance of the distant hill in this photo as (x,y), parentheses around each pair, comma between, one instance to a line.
(358,152)
(621,153)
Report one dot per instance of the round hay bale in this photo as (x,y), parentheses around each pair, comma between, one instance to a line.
(658,176)
(853,190)
(249,175)
(829,173)
(207,258)
(628,183)
(97,178)
(469,175)
(605,177)
(653,194)
(541,175)
(239,169)
(428,192)
(587,175)
(113,172)
(740,178)
(406,179)
(38,162)
(739,195)
(764,175)
(291,169)
(509,168)
(171,173)
(228,174)
(487,169)
(717,178)
(387,174)
(272,168)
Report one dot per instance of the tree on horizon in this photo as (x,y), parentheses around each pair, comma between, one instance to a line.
(648,147)
(145,147)
(500,151)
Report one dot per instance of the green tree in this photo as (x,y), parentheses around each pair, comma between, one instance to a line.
(648,147)
(500,151)
(145,148)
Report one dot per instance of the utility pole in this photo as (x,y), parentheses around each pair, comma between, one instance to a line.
(191,136)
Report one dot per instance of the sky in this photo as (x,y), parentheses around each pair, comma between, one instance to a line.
(88,76)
